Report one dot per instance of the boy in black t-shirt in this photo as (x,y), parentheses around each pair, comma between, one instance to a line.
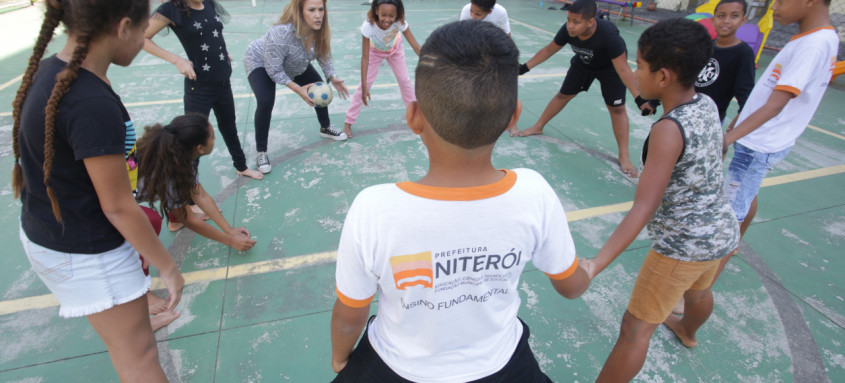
(600,53)
(730,72)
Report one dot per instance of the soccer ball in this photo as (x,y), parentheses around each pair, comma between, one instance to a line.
(321,93)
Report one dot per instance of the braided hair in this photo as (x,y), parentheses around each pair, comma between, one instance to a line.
(87,20)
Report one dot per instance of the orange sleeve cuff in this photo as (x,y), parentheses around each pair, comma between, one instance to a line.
(354,303)
(566,273)
(789,89)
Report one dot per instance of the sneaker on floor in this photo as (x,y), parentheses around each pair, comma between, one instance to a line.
(264,162)
(331,132)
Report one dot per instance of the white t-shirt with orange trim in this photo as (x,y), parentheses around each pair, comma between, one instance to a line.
(498,16)
(446,263)
(803,68)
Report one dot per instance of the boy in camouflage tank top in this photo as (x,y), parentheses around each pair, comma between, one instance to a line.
(679,197)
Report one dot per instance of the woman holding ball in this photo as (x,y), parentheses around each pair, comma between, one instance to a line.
(284,56)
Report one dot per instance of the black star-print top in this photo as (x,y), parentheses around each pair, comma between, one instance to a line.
(201,36)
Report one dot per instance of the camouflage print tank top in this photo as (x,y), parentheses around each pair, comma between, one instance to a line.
(695,222)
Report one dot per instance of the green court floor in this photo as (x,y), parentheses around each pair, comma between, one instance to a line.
(263,315)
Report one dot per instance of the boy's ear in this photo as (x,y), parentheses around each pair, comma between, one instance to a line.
(416,118)
(516,112)
(664,77)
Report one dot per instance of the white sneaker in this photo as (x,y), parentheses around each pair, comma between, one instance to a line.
(264,163)
(333,133)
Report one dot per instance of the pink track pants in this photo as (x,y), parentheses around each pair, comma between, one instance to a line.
(396,60)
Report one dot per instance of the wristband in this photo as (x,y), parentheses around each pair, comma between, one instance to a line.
(523,69)
(640,101)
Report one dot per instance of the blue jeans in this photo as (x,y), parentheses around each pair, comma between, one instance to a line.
(745,175)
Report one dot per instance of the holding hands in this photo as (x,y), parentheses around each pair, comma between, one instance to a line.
(648,107)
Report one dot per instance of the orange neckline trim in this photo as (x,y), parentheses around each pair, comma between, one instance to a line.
(460,194)
(811,31)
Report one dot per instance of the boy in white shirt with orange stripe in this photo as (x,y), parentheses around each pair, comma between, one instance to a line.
(781,104)
(445,252)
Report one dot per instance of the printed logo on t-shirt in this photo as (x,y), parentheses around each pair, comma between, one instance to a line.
(709,74)
(412,269)
(586,55)
(773,78)
(453,269)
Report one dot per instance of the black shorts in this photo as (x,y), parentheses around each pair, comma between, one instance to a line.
(579,78)
(365,365)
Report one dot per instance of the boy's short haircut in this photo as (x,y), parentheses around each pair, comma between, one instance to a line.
(680,45)
(586,8)
(743,2)
(466,82)
(485,5)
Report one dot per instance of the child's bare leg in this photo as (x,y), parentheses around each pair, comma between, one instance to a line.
(126,332)
(552,109)
(752,211)
(163,319)
(347,128)
(619,121)
(697,308)
(155,304)
(628,354)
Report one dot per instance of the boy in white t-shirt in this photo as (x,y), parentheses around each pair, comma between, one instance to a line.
(489,11)
(445,252)
(782,102)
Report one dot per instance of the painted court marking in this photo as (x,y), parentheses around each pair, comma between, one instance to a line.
(263,267)
(10,82)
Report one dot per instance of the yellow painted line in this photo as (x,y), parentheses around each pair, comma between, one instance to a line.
(803,176)
(577,215)
(10,82)
(816,128)
(263,267)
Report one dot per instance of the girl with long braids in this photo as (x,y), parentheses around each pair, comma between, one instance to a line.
(199,26)
(80,226)
(167,174)
(283,56)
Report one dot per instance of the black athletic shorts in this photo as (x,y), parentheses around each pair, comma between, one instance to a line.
(579,78)
(365,365)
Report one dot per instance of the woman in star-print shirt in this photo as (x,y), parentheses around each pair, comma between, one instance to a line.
(199,26)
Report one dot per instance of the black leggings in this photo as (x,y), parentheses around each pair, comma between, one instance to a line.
(203,97)
(264,89)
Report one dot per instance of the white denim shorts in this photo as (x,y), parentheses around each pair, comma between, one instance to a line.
(86,284)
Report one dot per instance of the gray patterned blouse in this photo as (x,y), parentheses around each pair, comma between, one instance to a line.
(282,53)
(695,222)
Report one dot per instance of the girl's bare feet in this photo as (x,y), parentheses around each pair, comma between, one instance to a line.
(251,173)
(347,128)
(531,131)
(163,319)
(514,132)
(175,226)
(155,304)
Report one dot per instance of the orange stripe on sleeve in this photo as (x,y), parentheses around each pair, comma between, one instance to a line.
(789,89)
(566,273)
(354,303)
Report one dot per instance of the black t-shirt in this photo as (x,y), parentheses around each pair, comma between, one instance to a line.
(597,51)
(91,122)
(201,36)
(728,74)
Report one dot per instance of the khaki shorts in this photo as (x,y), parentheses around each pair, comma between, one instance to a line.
(662,282)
